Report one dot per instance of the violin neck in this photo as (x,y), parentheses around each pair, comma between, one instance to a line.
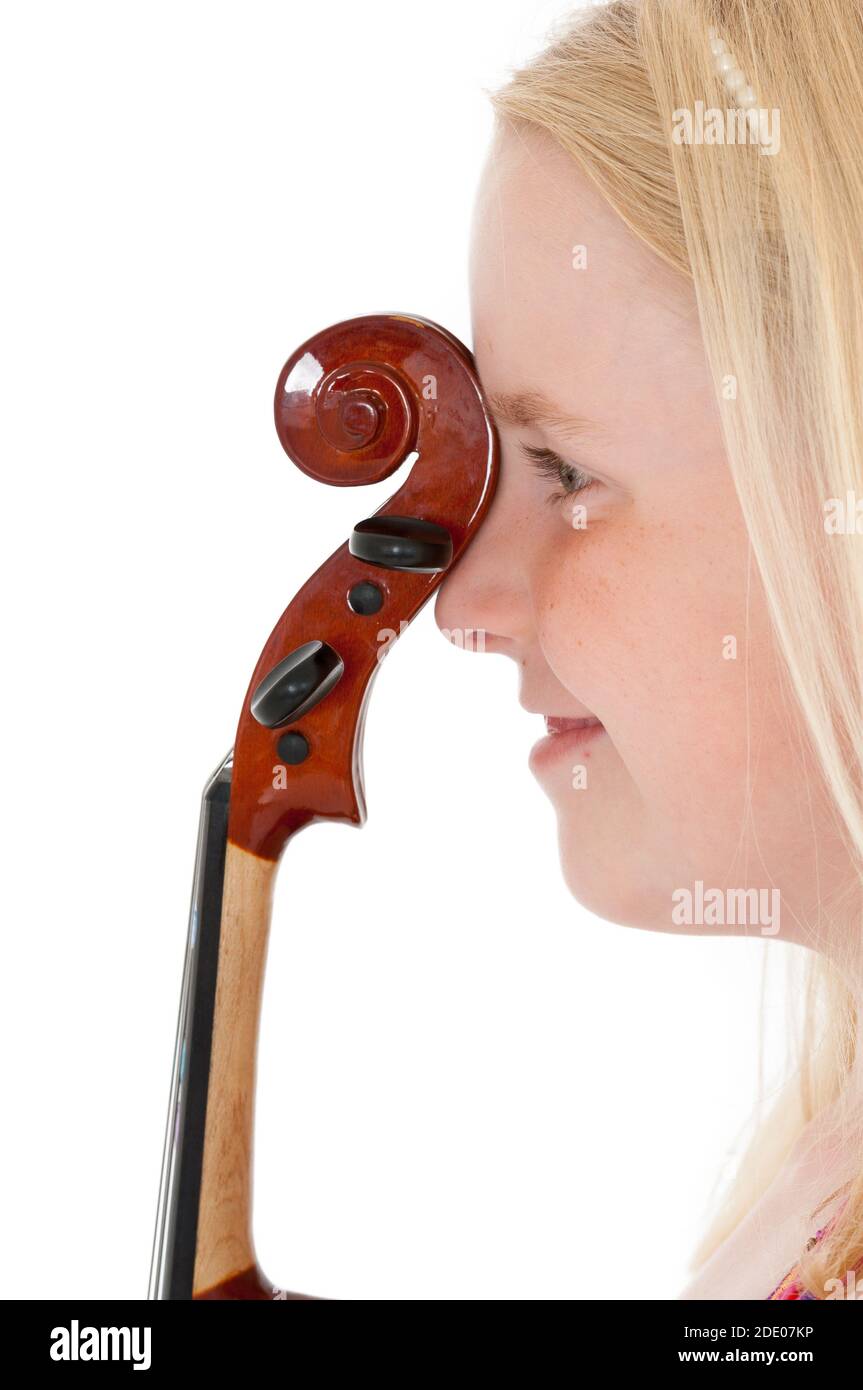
(203,1229)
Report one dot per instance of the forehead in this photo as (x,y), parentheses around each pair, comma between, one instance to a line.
(563,294)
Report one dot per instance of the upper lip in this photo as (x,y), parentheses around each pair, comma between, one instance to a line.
(551,714)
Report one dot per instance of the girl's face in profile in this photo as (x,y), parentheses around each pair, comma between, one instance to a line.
(623,585)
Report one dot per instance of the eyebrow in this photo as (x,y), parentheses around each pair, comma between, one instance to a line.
(522,408)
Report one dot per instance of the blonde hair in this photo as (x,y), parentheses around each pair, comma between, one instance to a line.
(771,244)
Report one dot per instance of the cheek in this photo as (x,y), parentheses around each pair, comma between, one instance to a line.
(660,629)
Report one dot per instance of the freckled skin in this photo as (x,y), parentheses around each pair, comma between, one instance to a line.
(705,771)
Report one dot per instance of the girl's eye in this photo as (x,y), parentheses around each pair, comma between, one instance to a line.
(551,465)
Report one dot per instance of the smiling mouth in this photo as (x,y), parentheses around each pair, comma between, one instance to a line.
(564,739)
(556,724)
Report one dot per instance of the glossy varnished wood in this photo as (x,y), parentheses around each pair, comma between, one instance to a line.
(351,405)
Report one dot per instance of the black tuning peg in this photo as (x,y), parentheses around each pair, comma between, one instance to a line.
(296,685)
(402,543)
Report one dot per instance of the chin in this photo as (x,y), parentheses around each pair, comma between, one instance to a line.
(612,901)
(604,838)
(604,884)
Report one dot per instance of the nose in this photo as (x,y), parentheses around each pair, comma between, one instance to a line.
(483,604)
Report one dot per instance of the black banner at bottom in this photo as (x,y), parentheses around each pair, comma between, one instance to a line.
(151,1338)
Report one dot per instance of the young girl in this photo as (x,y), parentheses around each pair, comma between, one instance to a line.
(667,299)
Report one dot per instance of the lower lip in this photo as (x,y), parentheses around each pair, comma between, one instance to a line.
(551,749)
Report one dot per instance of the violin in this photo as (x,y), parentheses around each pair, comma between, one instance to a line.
(351,405)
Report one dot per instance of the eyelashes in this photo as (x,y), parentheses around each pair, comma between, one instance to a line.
(550,465)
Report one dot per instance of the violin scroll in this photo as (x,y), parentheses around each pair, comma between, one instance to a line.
(343,424)
(352,403)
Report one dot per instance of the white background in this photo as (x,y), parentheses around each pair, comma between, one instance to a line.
(468,1087)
